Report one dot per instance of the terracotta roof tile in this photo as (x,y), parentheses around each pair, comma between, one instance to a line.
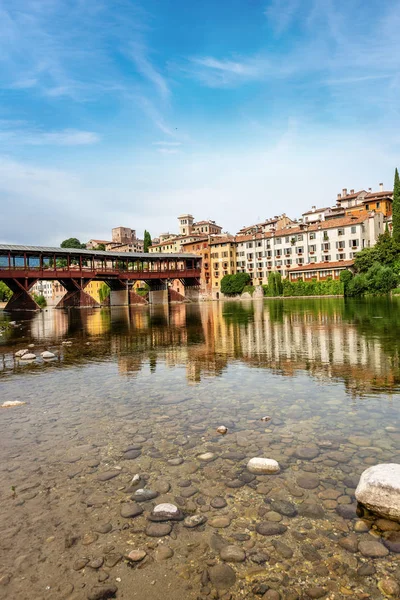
(323,265)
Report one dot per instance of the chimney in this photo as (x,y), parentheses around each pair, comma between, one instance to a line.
(381,187)
(313,208)
(339,196)
(351,191)
(369,190)
(344,192)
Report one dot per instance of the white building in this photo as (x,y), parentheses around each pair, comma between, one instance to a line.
(333,241)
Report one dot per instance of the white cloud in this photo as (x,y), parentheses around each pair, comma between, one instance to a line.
(139,55)
(167,143)
(167,150)
(15,133)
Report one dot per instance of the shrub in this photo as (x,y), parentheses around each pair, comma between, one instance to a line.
(5,292)
(234,284)
(40,300)
(249,289)
(357,286)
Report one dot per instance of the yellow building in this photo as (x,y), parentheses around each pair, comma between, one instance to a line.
(223,261)
(93,289)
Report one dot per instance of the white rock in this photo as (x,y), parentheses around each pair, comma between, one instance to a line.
(170,509)
(262,466)
(47,354)
(21,352)
(206,457)
(28,356)
(222,429)
(379,490)
(11,403)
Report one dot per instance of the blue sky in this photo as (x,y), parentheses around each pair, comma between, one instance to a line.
(115,112)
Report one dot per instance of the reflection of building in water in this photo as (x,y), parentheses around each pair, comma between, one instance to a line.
(323,338)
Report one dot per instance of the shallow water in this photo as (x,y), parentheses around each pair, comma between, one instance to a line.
(136,388)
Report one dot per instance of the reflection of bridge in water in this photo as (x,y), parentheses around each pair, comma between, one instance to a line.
(22,266)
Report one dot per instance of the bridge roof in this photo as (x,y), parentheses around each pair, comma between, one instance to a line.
(6,248)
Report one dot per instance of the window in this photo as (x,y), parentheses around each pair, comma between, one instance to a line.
(378,204)
(366,208)
(249,245)
(353,229)
(288,251)
(287,239)
(300,261)
(313,259)
(300,250)
(278,240)
(325,247)
(353,243)
(312,248)
(259,244)
(340,244)
(340,231)
(326,258)
(300,237)
(278,252)
(340,256)
(312,236)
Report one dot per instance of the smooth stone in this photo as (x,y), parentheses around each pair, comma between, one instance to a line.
(379,490)
(162,487)
(163,553)
(349,543)
(129,510)
(89,538)
(372,549)
(307,452)
(102,592)
(308,481)
(206,457)
(131,454)
(269,528)
(107,475)
(273,516)
(219,522)
(263,466)
(235,456)
(316,592)
(310,553)
(112,559)
(222,576)
(80,564)
(175,462)
(271,595)
(389,587)
(96,563)
(106,528)
(347,511)
(166,512)
(218,502)
(144,495)
(158,529)
(21,352)
(194,521)
(366,570)
(386,525)
(282,549)
(284,508)
(136,555)
(232,553)
(28,356)
(392,541)
(47,354)
(259,558)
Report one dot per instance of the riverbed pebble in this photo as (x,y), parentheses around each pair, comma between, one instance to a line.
(263,466)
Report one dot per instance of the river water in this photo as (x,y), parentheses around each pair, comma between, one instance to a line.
(142,391)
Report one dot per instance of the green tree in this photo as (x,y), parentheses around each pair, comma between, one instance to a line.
(40,300)
(234,284)
(147,241)
(100,247)
(72,243)
(345,278)
(104,292)
(396,207)
(5,292)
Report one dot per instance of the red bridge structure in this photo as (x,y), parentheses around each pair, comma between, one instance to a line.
(22,266)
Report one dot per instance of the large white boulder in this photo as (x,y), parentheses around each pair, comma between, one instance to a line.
(379,490)
(262,466)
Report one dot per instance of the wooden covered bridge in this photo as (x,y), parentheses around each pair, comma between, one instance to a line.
(22,266)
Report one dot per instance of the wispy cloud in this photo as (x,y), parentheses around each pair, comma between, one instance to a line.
(168,150)
(226,72)
(282,13)
(19,133)
(167,143)
(139,55)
